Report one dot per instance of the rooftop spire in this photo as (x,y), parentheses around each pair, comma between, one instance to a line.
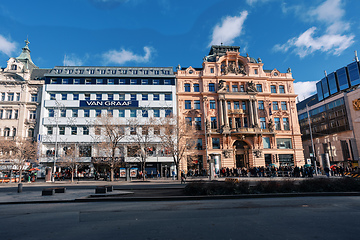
(25,56)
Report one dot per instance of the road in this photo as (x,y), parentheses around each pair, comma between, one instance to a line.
(268,218)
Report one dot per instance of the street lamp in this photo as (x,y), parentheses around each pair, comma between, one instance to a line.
(312,141)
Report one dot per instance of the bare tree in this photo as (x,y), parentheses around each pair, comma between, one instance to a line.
(19,152)
(143,135)
(108,135)
(69,159)
(178,138)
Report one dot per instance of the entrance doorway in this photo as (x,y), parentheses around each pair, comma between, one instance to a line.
(240,161)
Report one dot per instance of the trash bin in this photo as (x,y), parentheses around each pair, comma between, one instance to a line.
(20,186)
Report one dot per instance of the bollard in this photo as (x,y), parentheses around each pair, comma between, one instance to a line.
(20,186)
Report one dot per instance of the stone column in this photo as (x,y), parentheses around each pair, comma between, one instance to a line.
(251,113)
(256,113)
(226,114)
(221,112)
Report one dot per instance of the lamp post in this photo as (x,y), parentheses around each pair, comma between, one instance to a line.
(312,141)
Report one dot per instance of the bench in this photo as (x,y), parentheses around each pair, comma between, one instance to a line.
(51,191)
(103,189)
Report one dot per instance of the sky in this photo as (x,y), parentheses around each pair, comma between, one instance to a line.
(310,37)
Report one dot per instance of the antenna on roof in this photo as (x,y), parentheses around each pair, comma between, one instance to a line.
(356,57)
(325,73)
(64,59)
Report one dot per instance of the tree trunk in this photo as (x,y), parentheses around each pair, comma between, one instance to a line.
(72,175)
(112,174)
(20,173)
(178,175)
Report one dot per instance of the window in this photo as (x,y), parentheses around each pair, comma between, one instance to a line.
(110,113)
(262,123)
(84,151)
(75,96)
(156,130)
(18,97)
(273,89)
(86,113)
(65,81)
(122,81)
(87,81)
(73,130)
(283,143)
(167,82)
(53,81)
(13,67)
(286,124)
(243,105)
(156,113)
(32,114)
(196,87)
(211,87)
(16,114)
(133,81)
(132,130)
(30,132)
(266,142)
(121,97)
(281,89)
(144,81)
(49,130)
(216,143)
(52,96)
(63,96)
(144,130)
(283,106)
(277,123)
(237,122)
(242,88)
(235,88)
(99,81)
(145,113)
(97,130)
(199,144)
(10,96)
(236,105)
(62,113)
(197,123)
(211,70)
(6,132)
(259,87)
(255,71)
(168,112)
(74,113)
(187,87)
(121,112)
(197,104)
(188,121)
(187,104)
(213,123)
(144,97)
(261,105)
(2,96)
(110,81)
(76,81)
(97,113)
(87,96)
(1,114)
(229,105)
(156,81)
(61,130)
(51,113)
(133,97)
(85,131)
(156,97)
(212,104)
(132,112)
(110,96)
(98,96)
(275,105)
(8,114)
(168,97)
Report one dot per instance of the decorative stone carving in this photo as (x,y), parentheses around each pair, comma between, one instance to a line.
(251,87)
(257,153)
(227,153)
(222,85)
(271,125)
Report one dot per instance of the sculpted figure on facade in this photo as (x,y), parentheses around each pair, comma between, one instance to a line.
(251,87)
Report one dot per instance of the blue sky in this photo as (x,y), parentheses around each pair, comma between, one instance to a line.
(307,36)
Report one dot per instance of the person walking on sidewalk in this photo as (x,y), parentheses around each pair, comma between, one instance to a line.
(183,177)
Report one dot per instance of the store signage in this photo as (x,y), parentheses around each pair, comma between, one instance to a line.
(107,103)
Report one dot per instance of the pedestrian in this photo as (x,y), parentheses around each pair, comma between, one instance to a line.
(183,177)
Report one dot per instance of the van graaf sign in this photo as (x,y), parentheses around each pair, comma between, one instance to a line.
(107,103)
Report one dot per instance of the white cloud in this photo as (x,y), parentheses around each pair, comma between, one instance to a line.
(332,41)
(72,60)
(228,30)
(305,89)
(252,2)
(7,46)
(123,56)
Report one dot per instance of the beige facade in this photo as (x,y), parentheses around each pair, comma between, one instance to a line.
(249,113)
(20,97)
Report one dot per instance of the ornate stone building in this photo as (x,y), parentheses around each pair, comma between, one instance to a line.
(20,85)
(247,114)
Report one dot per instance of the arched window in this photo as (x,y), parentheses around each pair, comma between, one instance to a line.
(31,132)
(6,132)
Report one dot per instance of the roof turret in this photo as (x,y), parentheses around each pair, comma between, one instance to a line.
(25,57)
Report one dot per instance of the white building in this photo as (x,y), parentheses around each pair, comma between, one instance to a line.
(73,97)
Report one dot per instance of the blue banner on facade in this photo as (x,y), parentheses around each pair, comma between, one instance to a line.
(108,103)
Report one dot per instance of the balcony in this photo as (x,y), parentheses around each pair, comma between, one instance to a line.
(236,111)
(248,130)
